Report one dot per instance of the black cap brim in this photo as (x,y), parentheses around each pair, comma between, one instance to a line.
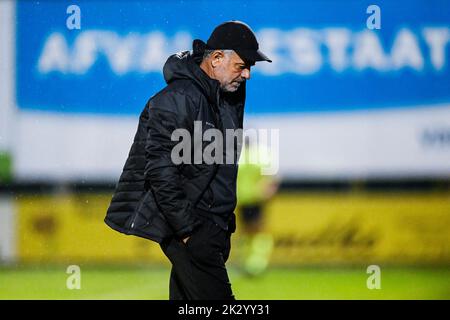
(252,55)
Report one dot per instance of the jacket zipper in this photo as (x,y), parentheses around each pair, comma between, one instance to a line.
(212,195)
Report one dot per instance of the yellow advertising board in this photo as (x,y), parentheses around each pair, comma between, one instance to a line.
(308,229)
(360,228)
(69,228)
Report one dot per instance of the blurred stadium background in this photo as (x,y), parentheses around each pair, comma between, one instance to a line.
(364,152)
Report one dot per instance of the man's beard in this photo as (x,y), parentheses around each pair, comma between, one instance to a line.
(231,87)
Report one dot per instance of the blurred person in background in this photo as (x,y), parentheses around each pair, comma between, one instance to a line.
(254,190)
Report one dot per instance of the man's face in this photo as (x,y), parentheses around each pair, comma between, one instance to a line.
(230,70)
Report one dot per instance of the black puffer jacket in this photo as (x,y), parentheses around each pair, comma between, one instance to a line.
(155,198)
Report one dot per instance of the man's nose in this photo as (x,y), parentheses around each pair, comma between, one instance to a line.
(245,74)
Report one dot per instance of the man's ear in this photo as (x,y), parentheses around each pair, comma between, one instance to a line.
(217,57)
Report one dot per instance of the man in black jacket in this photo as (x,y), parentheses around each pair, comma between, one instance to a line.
(188,207)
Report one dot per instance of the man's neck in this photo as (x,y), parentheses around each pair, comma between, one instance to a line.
(207,69)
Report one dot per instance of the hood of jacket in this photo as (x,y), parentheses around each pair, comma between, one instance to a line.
(186,65)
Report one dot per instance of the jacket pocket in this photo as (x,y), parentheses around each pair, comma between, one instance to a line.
(137,219)
(149,220)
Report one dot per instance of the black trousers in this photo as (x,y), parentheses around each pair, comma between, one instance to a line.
(198,267)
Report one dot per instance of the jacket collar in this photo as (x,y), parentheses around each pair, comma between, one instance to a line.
(209,86)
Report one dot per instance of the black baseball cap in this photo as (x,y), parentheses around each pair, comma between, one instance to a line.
(233,35)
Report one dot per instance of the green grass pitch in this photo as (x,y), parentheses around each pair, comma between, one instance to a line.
(277,283)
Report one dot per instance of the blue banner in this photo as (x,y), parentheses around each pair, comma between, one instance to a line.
(106,57)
